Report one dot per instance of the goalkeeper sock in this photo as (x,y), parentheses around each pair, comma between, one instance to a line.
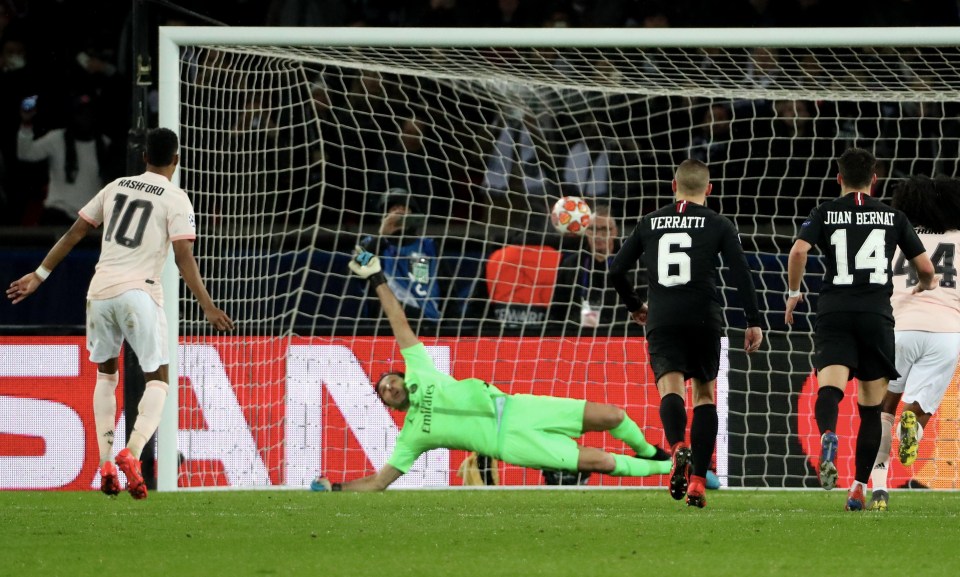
(878,477)
(628,432)
(105,412)
(673,415)
(625,466)
(868,441)
(827,408)
(703,437)
(148,416)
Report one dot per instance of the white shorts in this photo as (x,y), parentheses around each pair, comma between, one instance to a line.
(926,363)
(132,316)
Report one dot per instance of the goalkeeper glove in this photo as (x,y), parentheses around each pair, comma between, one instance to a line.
(366,265)
(321,483)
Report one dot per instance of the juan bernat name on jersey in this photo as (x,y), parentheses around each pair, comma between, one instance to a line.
(658,222)
(847,217)
(141,186)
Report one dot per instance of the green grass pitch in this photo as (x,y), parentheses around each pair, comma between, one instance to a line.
(485,533)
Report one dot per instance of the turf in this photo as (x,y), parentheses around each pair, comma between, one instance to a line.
(464,533)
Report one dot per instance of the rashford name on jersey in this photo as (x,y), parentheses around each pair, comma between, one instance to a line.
(141,186)
(868,218)
(658,222)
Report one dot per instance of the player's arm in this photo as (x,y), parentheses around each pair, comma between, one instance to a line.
(910,243)
(796,264)
(926,273)
(183,256)
(366,265)
(28,283)
(735,258)
(379,481)
(626,259)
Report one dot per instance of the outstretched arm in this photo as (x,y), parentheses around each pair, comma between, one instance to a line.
(28,283)
(366,265)
(379,481)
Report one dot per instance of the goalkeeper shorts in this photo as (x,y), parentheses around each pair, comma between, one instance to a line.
(539,431)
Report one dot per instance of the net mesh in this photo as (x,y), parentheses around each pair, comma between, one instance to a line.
(294,155)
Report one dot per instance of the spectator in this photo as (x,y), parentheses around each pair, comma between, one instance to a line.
(78,161)
(712,140)
(518,172)
(410,260)
(583,296)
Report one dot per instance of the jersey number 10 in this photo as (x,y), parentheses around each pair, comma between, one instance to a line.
(121,221)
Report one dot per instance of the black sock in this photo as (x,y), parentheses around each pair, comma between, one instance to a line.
(868,441)
(703,437)
(673,415)
(827,408)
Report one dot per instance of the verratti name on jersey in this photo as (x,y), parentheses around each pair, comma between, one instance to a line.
(659,222)
(865,218)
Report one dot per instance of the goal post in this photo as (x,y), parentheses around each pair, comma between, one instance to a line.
(295,142)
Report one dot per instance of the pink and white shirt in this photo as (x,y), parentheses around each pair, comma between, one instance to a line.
(936,311)
(141,215)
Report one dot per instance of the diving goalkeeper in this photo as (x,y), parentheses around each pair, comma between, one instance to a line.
(526,430)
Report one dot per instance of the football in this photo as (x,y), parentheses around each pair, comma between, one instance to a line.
(571,215)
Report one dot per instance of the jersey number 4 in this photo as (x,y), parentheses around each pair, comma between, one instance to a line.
(122,221)
(871,256)
(942,259)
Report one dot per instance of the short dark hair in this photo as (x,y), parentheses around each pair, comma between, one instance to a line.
(162,145)
(857,167)
(931,203)
(376,384)
(692,176)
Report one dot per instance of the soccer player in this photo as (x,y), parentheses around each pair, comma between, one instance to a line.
(927,325)
(142,215)
(679,246)
(526,430)
(853,336)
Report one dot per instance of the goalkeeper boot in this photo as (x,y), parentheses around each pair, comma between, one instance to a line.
(855,499)
(130,466)
(908,438)
(828,456)
(680,472)
(109,483)
(879,500)
(696,492)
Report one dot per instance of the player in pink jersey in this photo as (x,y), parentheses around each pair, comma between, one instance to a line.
(143,215)
(928,324)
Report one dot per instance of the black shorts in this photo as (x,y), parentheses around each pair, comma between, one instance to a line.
(863,342)
(693,351)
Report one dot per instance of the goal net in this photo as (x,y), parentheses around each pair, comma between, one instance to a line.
(444,150)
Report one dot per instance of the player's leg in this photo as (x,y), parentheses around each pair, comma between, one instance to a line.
(592,459)
(145,330)
(103,343)
(835,357)
(602,417)
(877,356)
(925,388)
(703,438)
(878,477)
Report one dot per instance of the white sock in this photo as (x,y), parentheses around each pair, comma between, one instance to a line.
(148,416)
(105,412)
(863,486)
(878,477)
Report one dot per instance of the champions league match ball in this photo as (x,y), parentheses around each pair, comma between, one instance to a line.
(571,215)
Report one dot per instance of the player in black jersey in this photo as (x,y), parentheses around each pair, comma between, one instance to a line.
(853,335)
(679,247)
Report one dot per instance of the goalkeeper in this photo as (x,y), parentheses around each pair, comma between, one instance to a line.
(525,430)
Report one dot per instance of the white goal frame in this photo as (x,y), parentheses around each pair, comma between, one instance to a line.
(171,39)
